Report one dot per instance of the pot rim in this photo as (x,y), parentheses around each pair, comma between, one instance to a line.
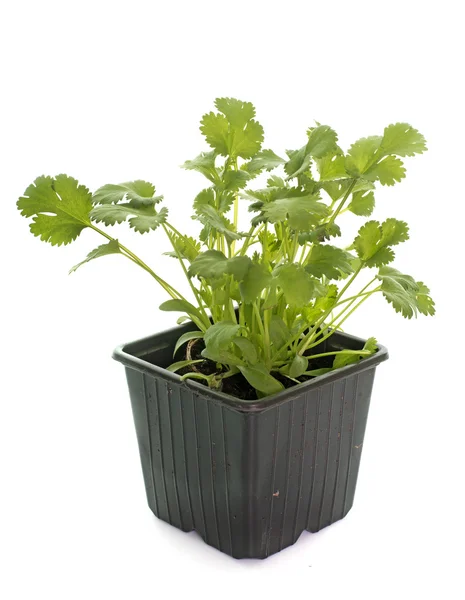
(125,354)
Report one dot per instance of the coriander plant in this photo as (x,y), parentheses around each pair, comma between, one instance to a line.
(264,299)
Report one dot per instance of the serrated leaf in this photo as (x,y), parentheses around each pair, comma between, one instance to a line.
(261,380)
(388,171)
(298,366)
(374,240)
(210,265)
(186,337)
(235,180)
(186,246)
(275,181)
(234,132)
(301,212)
(362,203)
(238,113)
(321,141)
(400,290)
(297,285)
(263,160)
(141,193)
(362,154)
(402,139)
(59,206)
(210,217)
(320,234)
(204,163)
(321,305)
(112,247)
(424,301)
(329,261)
(254,282)
(299,161)
(141,218)
(331,166)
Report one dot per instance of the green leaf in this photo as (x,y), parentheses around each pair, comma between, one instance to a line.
(299,162)
(266,159)
(210,265)
(321,141)
(186,337)
(255,280)
(331,166)
(187,247)
(318,372)
(374,241)
(275,181)
(141,193)
(329,261)
(302,212)
(59,206)
(279,333)
(298,366)
(320,234)
(402,139)
(297,285)
(349,358)
(238,267)
(233,181)
(389,170)
(362,203)
(204,163)
(424,301)
(321,305)
(112,247)
(362,154)
(248,350)
(218,340)
(181,364)
(404,293)
(210,217)
(178,305)
(261,380)
(142,219)
(234,132)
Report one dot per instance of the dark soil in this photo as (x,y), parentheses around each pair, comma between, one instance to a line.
(237,385)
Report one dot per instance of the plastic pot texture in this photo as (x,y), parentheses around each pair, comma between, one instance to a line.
(249,477)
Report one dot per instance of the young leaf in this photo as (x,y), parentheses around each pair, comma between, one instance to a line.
(186,247)
(404,293)
(178,305)
(59,206)
(331,166)
(248,350)
(210,217)
(218,339)
(402,139)
(298,366)
(261,380)
(141,193)
(297,285)
(112,247)
(349,358)
(181,364)
(362,203)
(186,337)
(329,261)
(321,141)
(279,333)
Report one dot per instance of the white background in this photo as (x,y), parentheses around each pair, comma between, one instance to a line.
(114,91)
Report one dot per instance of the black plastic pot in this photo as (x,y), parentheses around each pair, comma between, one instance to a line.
(248,476)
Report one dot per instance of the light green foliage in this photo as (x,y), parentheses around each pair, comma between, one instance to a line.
(262,300)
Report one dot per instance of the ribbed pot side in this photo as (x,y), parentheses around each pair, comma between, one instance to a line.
(250,482)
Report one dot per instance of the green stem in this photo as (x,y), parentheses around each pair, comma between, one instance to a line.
(357,352)
(194,290)
(343,201)
(166,286)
